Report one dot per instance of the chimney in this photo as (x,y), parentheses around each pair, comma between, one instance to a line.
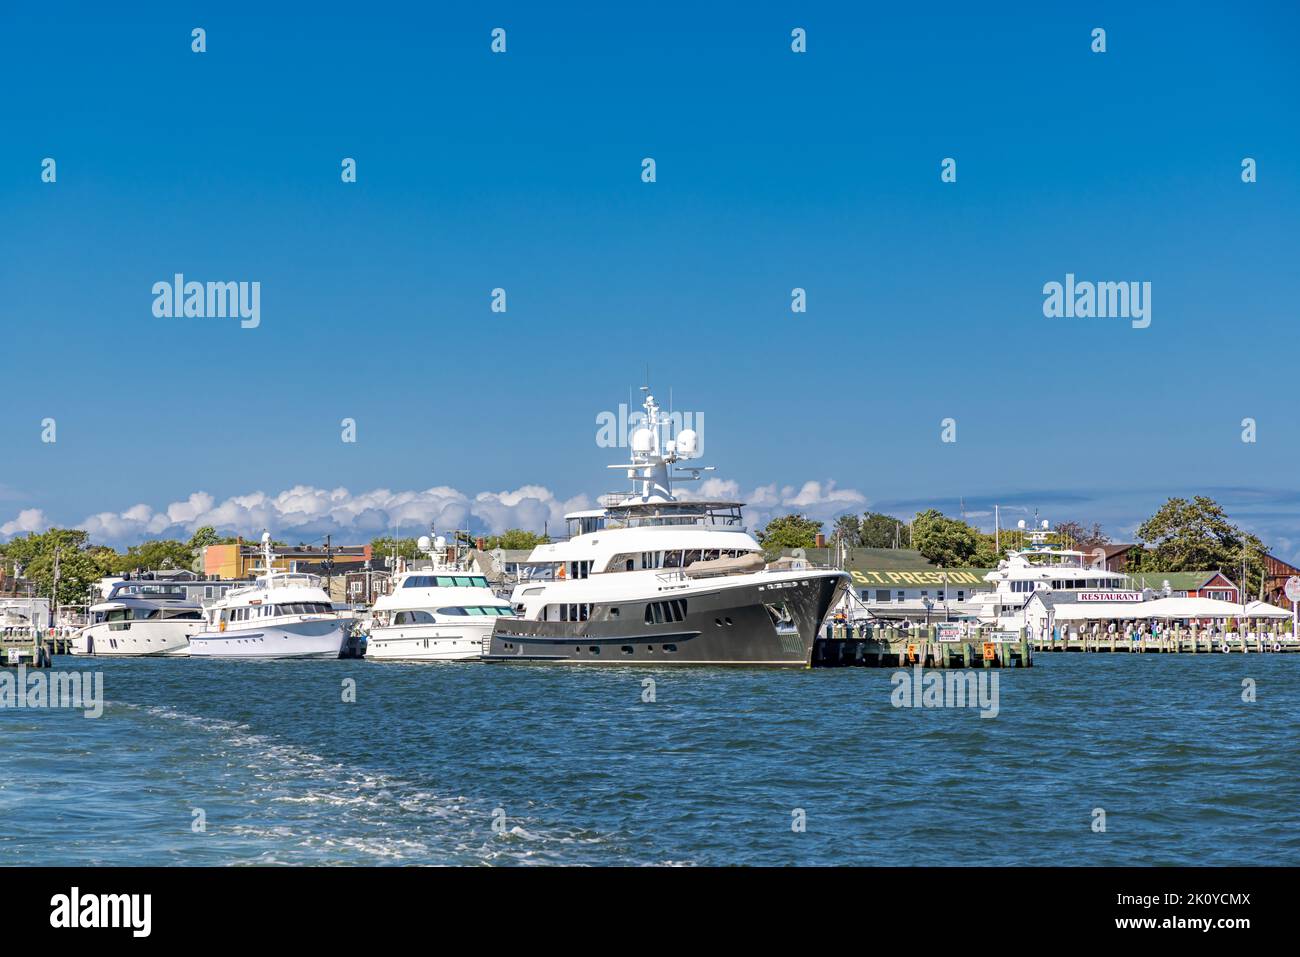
(478,543)
(821,540)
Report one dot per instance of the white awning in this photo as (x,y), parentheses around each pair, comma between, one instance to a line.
(1262,609)
(1163,608)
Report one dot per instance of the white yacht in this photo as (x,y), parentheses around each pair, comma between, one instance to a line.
(139,620)
(653,579)
(443,613)
(282,615)
(1042,566)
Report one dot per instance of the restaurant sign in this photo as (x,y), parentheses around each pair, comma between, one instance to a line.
(1109,596)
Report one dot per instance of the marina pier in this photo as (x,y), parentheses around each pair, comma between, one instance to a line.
(1175,641)
(886,646)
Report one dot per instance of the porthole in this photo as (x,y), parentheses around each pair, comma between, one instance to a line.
(718,622)
(670,648)
(627,649)
(728,620)
(594,649)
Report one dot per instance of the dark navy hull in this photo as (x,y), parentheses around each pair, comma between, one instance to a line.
(728,625)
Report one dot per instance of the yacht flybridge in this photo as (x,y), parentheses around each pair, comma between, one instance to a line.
(443,613)
(137,620)
(650,578)
(1043,566)
(283,615)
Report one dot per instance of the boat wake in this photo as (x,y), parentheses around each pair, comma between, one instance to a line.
(267,801)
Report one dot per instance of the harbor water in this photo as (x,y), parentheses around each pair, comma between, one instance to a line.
(241,763)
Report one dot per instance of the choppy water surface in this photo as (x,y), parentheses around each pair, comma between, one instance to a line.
(584,772)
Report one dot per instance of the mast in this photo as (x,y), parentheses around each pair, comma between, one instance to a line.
(266,556)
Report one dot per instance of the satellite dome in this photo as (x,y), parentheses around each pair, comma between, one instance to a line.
(423,543)
(643,440)
(687,442)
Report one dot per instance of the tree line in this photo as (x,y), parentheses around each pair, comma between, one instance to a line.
(81,563)
(1183,535)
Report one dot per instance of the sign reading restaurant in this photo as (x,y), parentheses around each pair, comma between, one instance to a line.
(1109,596)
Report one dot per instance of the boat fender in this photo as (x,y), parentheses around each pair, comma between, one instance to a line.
(1277,646)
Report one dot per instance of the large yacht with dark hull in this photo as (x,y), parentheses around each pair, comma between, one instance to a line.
(650,578)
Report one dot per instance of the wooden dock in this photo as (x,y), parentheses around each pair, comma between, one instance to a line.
(31,652)
(1182,641)
(844,646)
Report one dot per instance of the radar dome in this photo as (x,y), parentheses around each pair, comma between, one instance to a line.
(1020,524)
(423,543)
(687,442)
(643,440)
(440,543)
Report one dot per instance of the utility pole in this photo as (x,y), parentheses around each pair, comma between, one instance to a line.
(329,564)
(54,593)
(946,616)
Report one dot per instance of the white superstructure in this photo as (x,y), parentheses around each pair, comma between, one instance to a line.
(139,620)
(1042,566)
(650,577)
(442,613)
(283,615)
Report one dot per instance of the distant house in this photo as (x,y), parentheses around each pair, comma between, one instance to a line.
(1276,574)
(1213,584)
(1116,554)
(900,582)
(244,559)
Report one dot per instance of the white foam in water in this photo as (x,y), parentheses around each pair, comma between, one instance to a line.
(356,806)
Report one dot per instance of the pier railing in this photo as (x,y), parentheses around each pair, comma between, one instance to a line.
(884,645)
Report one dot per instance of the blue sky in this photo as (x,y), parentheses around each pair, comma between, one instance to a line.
(522,171)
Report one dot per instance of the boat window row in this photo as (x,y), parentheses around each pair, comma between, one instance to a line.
(1021,584)
(675,514)
(445,581)
(494,610)
(250,612)
(659,612)
(883,595)
(573,611)
(146,614)
(631,561)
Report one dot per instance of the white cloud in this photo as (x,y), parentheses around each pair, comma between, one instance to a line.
(308,513)
(817,500)
(28,520)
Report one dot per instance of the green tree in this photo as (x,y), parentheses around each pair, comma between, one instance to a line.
(789,531)
(1197,536)
(80,564)
(945,541)
(1080,537)
(515,538)
(382,547)
(847,529)
(207,535)
(883,531)
(153,555)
